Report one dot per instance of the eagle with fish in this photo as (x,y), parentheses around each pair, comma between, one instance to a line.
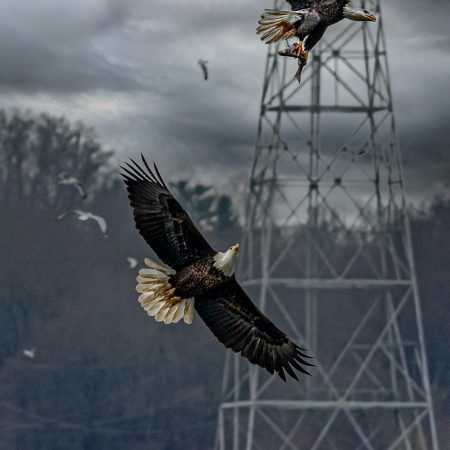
(308,21)
(195,276)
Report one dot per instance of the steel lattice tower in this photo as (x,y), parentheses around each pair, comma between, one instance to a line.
(328,254)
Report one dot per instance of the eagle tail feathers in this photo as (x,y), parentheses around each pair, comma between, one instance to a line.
(158,296)
(153,265)
(277,25)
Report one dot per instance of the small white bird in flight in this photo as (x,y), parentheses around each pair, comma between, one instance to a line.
(29,353)
(84,216)
(133,262)
(66,180)
(203,64)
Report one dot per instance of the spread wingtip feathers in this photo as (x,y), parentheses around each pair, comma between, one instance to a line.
(137,173)
(276,25)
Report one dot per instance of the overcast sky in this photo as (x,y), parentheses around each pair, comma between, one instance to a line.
(129,68)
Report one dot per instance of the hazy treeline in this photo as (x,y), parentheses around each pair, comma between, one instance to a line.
(104,375)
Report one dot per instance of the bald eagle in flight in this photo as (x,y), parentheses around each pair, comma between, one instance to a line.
(307,21)
(197,276)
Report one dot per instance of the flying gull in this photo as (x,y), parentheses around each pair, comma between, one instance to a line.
(133,262)
(29,353)
(203,64)
(84,216)
(66,180)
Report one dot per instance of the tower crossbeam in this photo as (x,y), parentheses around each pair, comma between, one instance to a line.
(328,252)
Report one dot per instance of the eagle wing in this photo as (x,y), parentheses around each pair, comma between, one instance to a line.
(297,5)
(160,219)
(240,325)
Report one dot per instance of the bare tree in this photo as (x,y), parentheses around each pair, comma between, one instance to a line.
(36,149)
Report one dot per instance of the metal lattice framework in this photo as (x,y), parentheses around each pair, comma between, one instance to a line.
(328,254)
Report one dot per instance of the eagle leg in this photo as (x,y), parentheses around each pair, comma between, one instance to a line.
(169,292)
(300,53)
(298,46)
(171,298)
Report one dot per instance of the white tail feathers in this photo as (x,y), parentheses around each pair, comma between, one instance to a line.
(276,25)
(156,266)
(157,295)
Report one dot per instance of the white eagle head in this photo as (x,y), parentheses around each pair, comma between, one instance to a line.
(225,262)
(360,15)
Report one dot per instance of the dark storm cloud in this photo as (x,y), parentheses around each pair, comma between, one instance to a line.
(141,57)
(58,48)
(61,69)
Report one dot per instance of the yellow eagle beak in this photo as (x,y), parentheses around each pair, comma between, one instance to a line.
(235,248)
(370,17)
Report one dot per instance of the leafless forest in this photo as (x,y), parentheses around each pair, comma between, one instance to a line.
(81,365)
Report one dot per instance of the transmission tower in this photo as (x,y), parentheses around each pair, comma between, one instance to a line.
(328,254)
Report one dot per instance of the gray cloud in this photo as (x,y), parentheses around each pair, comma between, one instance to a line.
(60,48)
(130,69)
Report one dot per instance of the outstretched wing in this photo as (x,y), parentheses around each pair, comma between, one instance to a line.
(160,219)
(241,326)
(81,190)
(101,223)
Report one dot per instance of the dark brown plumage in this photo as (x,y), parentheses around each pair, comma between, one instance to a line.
(219,299)
(330,11)
(160,219)
(241,326)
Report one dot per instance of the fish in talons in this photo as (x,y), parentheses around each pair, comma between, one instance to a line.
(295,50)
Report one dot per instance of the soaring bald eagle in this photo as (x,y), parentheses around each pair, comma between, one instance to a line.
(307,21)
(196,276)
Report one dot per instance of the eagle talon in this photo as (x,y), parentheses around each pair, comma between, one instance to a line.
(300,53)
(298,46)
(169,293)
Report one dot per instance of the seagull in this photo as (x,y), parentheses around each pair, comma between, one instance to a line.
(29,353)
(202,63)
(194,275)
(66,180)
(84,216)
(133,262)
